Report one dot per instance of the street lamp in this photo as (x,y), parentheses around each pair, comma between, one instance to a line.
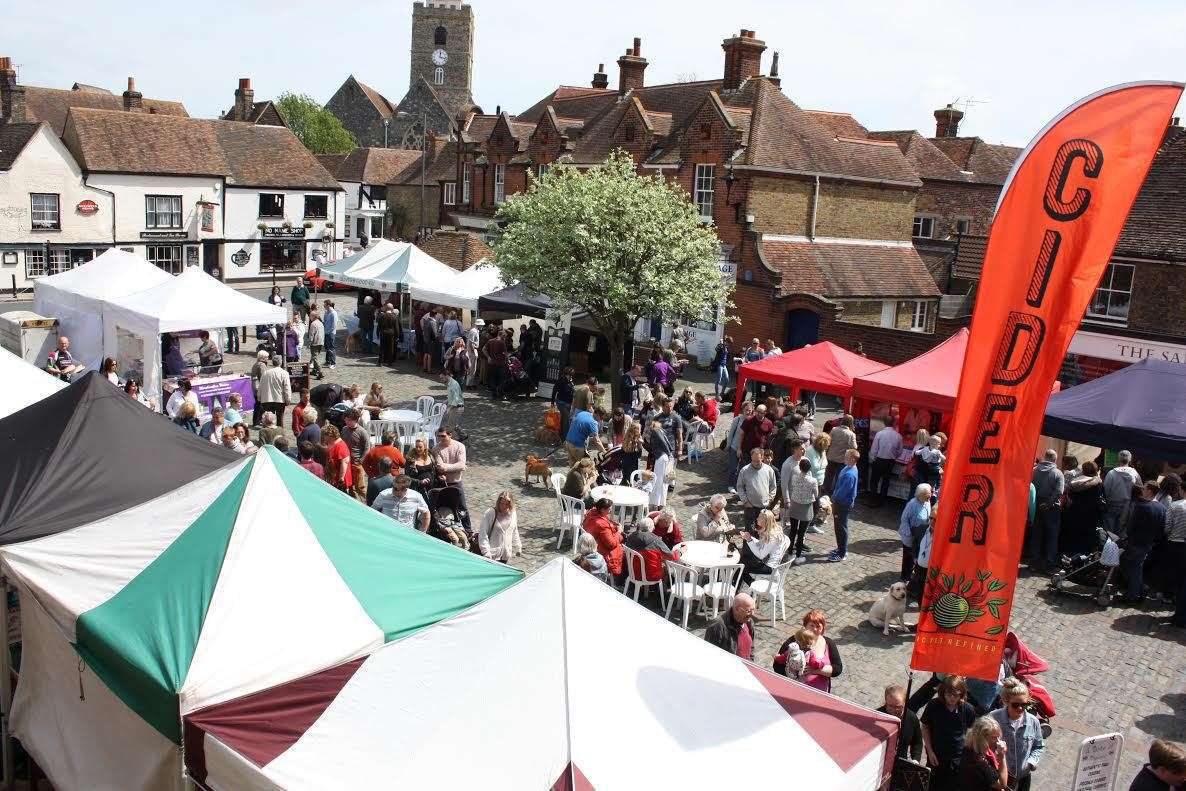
(423,158)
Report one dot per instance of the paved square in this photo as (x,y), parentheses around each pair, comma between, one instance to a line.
(1111,670)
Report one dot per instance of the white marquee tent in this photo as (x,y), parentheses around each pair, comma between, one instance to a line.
(557,682)
(391,266)
(24,384)
(192,300)
(479,280)
(76,297)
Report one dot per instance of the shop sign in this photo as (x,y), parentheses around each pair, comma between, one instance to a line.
(87,207)
(284,233)
(169,235)
(240,258)
(1123,349)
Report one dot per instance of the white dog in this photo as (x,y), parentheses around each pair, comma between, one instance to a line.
(889,608)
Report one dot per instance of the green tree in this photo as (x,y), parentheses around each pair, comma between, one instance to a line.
(318,128)
(614,244)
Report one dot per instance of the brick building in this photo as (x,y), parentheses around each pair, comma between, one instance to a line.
(1137,310)
(814,221)
(247,109)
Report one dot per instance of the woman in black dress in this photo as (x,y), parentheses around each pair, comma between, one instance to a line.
(421,468)
(1084,510)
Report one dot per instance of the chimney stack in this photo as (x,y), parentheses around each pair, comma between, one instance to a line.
(244,100)
(631,68)
(774,78)
(600,78)
(133,99)
(743,59)
(947,122)
(12,94)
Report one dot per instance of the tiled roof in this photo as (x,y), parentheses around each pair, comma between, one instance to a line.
(13,139)
(458,249)
(840,124)
(987,163)
(52,105)
(385,108)
(782,136)
(332,162)
(969,257)
(258,109)
(928,160)
(376,165)
(1156,226)
(82,86)
(442,164)
(848,270)
(560,94)
(681,99)
(245,154)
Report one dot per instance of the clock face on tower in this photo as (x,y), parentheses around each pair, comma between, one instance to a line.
(440,57)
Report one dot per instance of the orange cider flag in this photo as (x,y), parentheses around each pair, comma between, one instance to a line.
(1057,222)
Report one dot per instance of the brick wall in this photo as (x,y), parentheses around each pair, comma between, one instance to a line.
(949,201)
(408,196)
(783,206)
(887,345)
(358,115)
(1157,304)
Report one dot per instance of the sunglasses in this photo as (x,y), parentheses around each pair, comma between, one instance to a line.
(1017,706)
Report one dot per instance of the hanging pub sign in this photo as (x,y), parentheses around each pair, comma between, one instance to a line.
(206,212)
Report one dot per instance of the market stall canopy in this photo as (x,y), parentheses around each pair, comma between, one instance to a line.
(76,297)
(468,287)
(516,300)
(643,704)
(253,576)
(89,451)
(930,381)
(391,266)
(1141,407)
(192,300)
(24,384)
(822,367)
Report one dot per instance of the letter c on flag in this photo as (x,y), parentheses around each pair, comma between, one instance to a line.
(1093,160)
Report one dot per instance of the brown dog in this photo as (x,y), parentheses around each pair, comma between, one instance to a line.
(537,467)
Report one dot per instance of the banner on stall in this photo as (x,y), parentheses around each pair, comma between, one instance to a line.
(1057,222)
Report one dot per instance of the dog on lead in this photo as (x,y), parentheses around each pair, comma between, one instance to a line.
(889,608)
(536,467)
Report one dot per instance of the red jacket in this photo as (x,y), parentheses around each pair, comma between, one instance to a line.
(710,412)
(609,540)
(669,537)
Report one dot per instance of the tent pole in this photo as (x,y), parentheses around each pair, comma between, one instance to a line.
(6,690)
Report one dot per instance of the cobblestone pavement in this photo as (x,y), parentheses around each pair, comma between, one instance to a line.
(1112,670)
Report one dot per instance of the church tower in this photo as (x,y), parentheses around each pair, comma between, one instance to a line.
(442,58)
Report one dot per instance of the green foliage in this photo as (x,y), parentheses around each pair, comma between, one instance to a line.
(316,127)
(614,244)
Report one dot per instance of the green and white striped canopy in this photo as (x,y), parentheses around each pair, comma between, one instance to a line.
(252,576)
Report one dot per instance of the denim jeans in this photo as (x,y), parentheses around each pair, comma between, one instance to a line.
(722,380)
(840,525)
(1043,545)
(1133,564)
(732,465)
(331,358)
(232,340)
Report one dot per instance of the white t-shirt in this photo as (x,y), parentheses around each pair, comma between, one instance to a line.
(403,510)
(173,405)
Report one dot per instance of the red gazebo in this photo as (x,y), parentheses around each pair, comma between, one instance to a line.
(821,367)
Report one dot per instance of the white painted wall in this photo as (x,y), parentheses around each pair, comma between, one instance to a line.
(242,221)
(45,165)
(130,207)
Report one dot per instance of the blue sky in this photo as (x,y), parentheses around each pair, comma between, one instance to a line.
(891,64)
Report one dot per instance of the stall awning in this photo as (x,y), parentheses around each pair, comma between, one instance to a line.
(516,300)
(191,301)
(822,367)
(24,384)
(1141,408)
(394,266)
(930,381)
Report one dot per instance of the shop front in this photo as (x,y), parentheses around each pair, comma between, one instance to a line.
(1093,354)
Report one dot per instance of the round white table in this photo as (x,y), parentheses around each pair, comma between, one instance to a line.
(630,504)
(401,415)
(706,554)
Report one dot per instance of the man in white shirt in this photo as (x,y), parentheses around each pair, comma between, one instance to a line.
(1118,486)
(403,504)
(883,452)
(183,393)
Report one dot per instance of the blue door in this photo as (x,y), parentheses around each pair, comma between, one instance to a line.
(802,329)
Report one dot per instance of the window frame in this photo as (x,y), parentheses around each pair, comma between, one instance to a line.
(500,184)
(1109,277)
(324,215)
(280,202)
(177,266)
(39,263)
(966,222)
(920,221)
(449,193)
(152,213)
(46,225)
(704,189)
(466,183)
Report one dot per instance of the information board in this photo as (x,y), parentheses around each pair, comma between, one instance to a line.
(1099,759)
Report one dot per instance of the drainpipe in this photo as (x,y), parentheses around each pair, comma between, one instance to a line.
(814,208)
(105,192)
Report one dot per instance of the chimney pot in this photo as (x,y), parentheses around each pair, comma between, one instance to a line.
(133,100)
(244,83)
(631,69)
(743,58)
(637,47)
(5,64)
(131,84)
(600,78)
(947,122)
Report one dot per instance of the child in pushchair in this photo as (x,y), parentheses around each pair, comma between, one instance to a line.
(447,516)
(609,467)
(516,382)
(1095,571)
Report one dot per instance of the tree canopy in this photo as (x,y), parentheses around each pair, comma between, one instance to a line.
(614,244)
(318,128)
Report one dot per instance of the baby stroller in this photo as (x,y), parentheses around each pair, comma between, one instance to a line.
(609,467)
(517,382)
(1090,574)
(446,515)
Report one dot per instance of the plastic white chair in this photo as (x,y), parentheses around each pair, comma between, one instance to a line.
(773,587)
(431,423)
(424,405)
(639,581)
(572,516)
(377,428)
(635,477)
(556,481)
(681,584)
(720,589)
(406,432)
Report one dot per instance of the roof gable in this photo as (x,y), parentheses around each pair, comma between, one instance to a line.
(13,139)
(984,163)
(927,158)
